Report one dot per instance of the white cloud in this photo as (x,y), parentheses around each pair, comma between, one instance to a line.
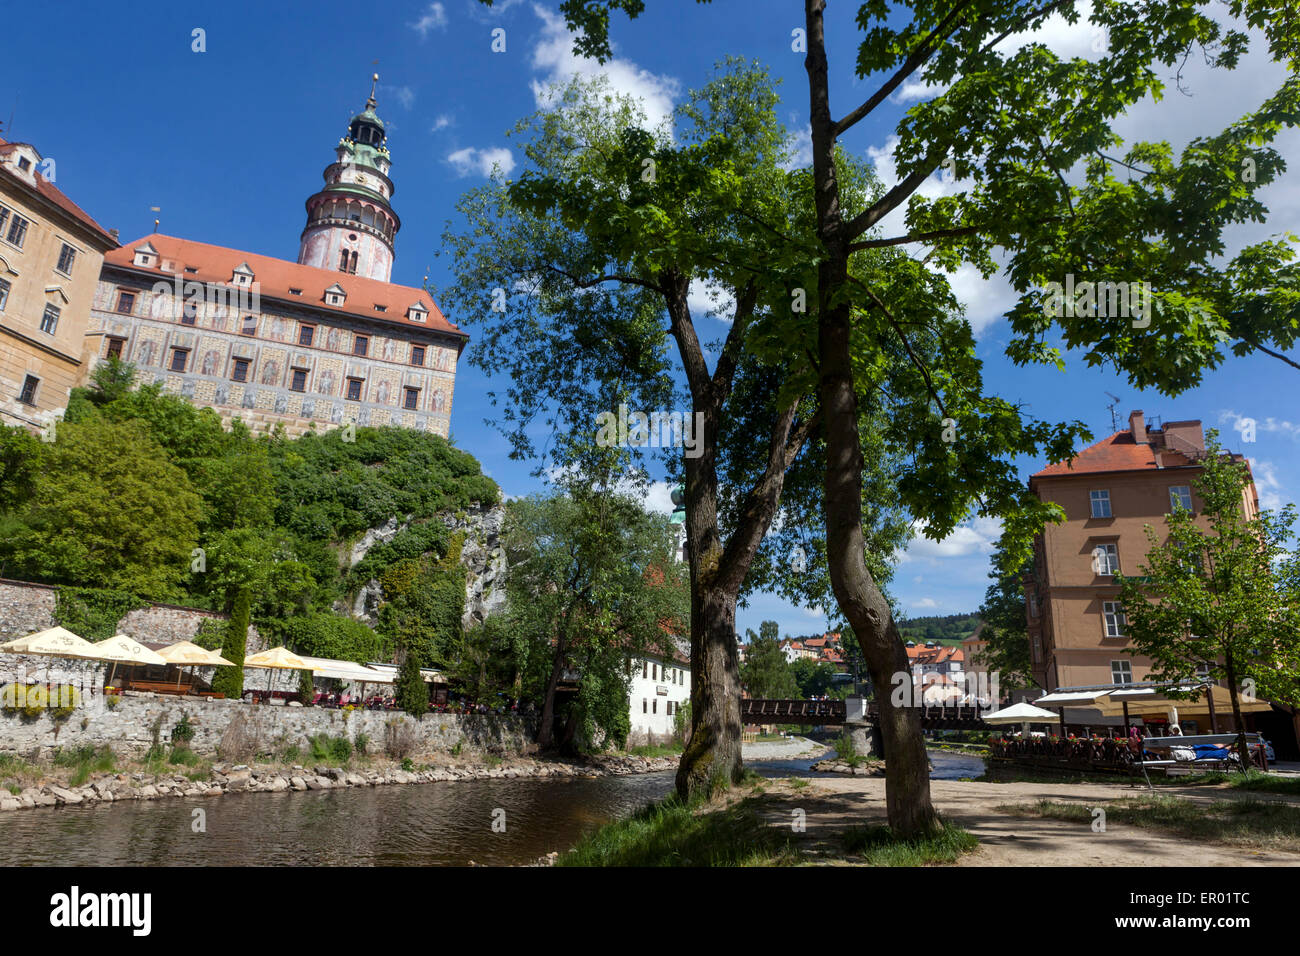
(799,142)
(441,122)
(706,299)
(403,94)
(554,58)
(434,18)
(975,537)
(1267,484)
(1238,423)
(485,162)
(924,604)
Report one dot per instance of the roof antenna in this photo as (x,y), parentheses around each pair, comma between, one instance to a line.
(1114,422)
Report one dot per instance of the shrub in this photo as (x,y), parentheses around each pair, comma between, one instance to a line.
(63,700)
(400,738)
(333,749)
(183,732)
(306,688)
(362,743)
(184,756)
(13,697)
(38,699)
(93,612)
(112,700)
(210,634)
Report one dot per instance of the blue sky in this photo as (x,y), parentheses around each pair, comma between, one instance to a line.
(230,142)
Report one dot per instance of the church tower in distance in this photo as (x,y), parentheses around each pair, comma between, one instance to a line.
(350,224)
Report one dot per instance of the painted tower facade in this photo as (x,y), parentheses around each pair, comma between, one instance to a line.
(351,225)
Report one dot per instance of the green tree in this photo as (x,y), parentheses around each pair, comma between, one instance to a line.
(108,510)
(766,673)
(596,259)
(1221,592)
(1005,624)
(591,585)
(1011,121)
(19,464)
(230,680)
(814,678)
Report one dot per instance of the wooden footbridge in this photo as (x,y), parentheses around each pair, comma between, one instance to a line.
(754,710)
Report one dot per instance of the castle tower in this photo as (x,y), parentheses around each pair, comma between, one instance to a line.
(350,224)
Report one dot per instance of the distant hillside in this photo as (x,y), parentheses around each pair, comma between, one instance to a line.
(947,629)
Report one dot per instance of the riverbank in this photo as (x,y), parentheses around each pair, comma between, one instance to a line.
(30,786)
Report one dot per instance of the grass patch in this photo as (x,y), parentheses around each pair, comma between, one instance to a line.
(798,783)
(1244,823)
(83,761)
(672,833)
(880,846)
(336,750)
(650,751)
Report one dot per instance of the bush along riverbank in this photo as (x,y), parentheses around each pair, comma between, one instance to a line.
(95,775)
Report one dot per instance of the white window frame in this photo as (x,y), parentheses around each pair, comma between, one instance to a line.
(1180,495)
(1105,558)
(1099,497)
(1113,619)
(1124,670)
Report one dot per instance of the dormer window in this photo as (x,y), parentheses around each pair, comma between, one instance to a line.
(293,291)
(145,256)
(417,313)
(242,277)
(192,269)
(335,295)
(24,163)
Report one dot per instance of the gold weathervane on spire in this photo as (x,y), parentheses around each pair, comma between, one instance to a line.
(374,80)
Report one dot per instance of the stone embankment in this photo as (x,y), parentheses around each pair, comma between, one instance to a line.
(874,768)
(226,779)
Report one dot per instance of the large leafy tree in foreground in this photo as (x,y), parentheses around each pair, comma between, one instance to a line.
(1219,596)
(1029,135)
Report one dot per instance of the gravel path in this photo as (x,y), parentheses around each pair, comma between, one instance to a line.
(781,749)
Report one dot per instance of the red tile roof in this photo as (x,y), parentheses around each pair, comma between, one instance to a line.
(55,195)
(275,277)
(1119,452)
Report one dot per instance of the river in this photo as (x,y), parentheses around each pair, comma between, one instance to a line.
(431,824)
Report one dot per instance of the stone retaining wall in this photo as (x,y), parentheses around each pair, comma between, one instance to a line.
(130,726)
(27,607)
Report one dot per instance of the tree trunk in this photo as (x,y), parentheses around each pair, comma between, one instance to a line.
(1242,749)
(907,767)
(907,775)
(545,729)
(711,759)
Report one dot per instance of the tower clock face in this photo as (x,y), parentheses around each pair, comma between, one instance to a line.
(361,178)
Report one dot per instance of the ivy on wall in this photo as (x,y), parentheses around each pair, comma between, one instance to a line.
(93,613)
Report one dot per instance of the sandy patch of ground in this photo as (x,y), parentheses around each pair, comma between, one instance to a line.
(832,805)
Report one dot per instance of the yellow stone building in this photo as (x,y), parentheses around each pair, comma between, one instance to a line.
(51,253)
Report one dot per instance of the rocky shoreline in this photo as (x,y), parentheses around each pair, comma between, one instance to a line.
(240,778)
(875,768)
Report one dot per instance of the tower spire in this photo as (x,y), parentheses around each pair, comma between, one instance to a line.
(351,224)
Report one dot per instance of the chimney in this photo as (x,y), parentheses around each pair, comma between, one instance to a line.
(1138,426)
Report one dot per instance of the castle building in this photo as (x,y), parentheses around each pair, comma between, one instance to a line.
(318,343)
(50,257)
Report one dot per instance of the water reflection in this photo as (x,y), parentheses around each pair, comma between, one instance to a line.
(417,825)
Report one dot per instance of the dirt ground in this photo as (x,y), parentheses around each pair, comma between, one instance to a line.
(833,805)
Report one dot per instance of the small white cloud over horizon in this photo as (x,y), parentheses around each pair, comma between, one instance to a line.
(485,162)
(440,122)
